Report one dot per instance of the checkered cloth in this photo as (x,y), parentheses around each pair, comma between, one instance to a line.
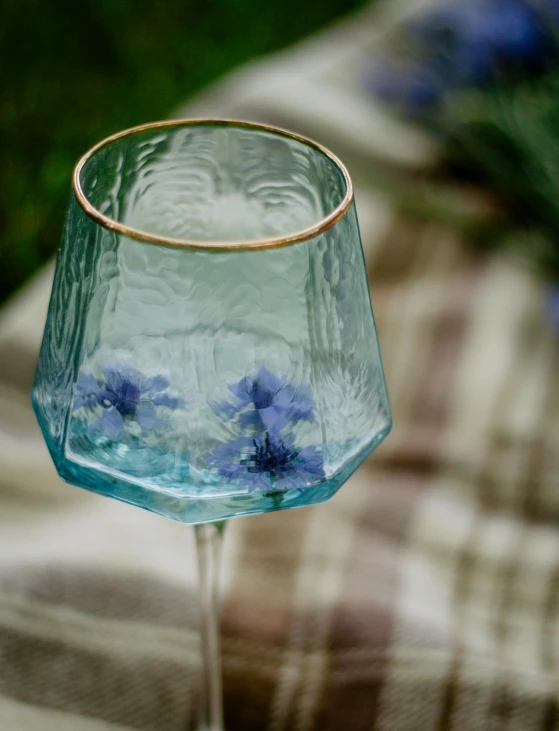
(423,597)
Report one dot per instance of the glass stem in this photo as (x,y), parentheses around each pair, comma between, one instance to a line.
(209,538)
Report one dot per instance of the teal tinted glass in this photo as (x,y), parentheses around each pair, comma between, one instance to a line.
(206,383)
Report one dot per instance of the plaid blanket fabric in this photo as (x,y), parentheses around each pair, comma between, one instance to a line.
(423,597)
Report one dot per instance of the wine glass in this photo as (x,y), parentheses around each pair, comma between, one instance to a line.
(210,349)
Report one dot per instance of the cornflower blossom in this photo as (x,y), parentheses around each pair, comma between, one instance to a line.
(465,44)
(265,456)
(123,399)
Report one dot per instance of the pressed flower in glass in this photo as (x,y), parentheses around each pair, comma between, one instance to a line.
(210,349)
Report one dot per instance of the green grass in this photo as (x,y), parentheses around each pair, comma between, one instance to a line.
(75,71)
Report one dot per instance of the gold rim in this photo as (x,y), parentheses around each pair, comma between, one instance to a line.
(323,225)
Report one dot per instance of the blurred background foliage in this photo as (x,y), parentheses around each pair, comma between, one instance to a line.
(72,73)
(482,77)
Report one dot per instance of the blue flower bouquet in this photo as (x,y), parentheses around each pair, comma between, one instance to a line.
(482,75)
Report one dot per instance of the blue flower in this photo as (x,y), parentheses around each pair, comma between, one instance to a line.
(265,456)
(464,44)
(123,397)
(269,462)
(266,401)
(473,38)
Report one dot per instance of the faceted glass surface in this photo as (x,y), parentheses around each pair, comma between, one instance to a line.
(205,384)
